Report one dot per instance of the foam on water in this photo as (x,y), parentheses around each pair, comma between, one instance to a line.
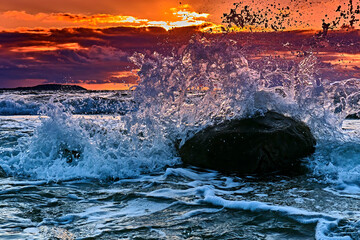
(176,198)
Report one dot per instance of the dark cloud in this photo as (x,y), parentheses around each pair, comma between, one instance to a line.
(95,56)
(79,55)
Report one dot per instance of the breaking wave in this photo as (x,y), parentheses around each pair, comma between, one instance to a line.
(202,83)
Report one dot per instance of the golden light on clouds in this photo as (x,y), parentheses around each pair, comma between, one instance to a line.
(186,14)
(96,20)
(188,18)
(126,74)
(121,80)
(42,48)
(342,59)
(179,17)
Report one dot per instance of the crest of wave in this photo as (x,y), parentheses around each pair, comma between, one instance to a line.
(108,148)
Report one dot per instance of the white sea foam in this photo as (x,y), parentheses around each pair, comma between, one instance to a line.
(204,195)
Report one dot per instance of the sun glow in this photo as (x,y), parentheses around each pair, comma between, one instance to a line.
(178,17)
(107,86)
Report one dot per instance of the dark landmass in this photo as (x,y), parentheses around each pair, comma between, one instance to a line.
(47,87)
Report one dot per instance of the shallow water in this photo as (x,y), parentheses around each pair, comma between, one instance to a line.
(177,202)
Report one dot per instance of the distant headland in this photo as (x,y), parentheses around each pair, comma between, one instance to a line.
(47,87)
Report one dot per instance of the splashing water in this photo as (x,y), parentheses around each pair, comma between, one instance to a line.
(107,149)
(209,81)
(204,82)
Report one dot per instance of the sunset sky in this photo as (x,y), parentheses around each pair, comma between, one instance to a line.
(17,14)
(89,42)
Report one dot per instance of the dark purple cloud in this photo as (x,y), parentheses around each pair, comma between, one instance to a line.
(98,56)
(78,55)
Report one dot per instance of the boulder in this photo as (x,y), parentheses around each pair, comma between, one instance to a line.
(267,144)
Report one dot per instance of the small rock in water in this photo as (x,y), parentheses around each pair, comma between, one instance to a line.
(2,173)
(70,155)
(265,144)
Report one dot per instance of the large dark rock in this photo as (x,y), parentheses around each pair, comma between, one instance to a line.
(265,144)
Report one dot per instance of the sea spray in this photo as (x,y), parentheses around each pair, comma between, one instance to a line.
(203,82)
(211,80)
(106,148)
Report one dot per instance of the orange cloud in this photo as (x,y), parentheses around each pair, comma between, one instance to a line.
(341,59)
(42,48)
(96,20)
(185,13)
(179,17)
(188,18)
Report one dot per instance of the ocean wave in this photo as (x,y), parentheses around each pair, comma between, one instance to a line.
(203,83)
(76,103)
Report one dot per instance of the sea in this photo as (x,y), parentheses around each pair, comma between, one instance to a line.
(104,164)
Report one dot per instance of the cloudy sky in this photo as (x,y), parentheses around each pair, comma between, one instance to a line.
(89,42)
(67,13)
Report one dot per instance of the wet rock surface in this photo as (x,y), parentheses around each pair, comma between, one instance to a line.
(267,144)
